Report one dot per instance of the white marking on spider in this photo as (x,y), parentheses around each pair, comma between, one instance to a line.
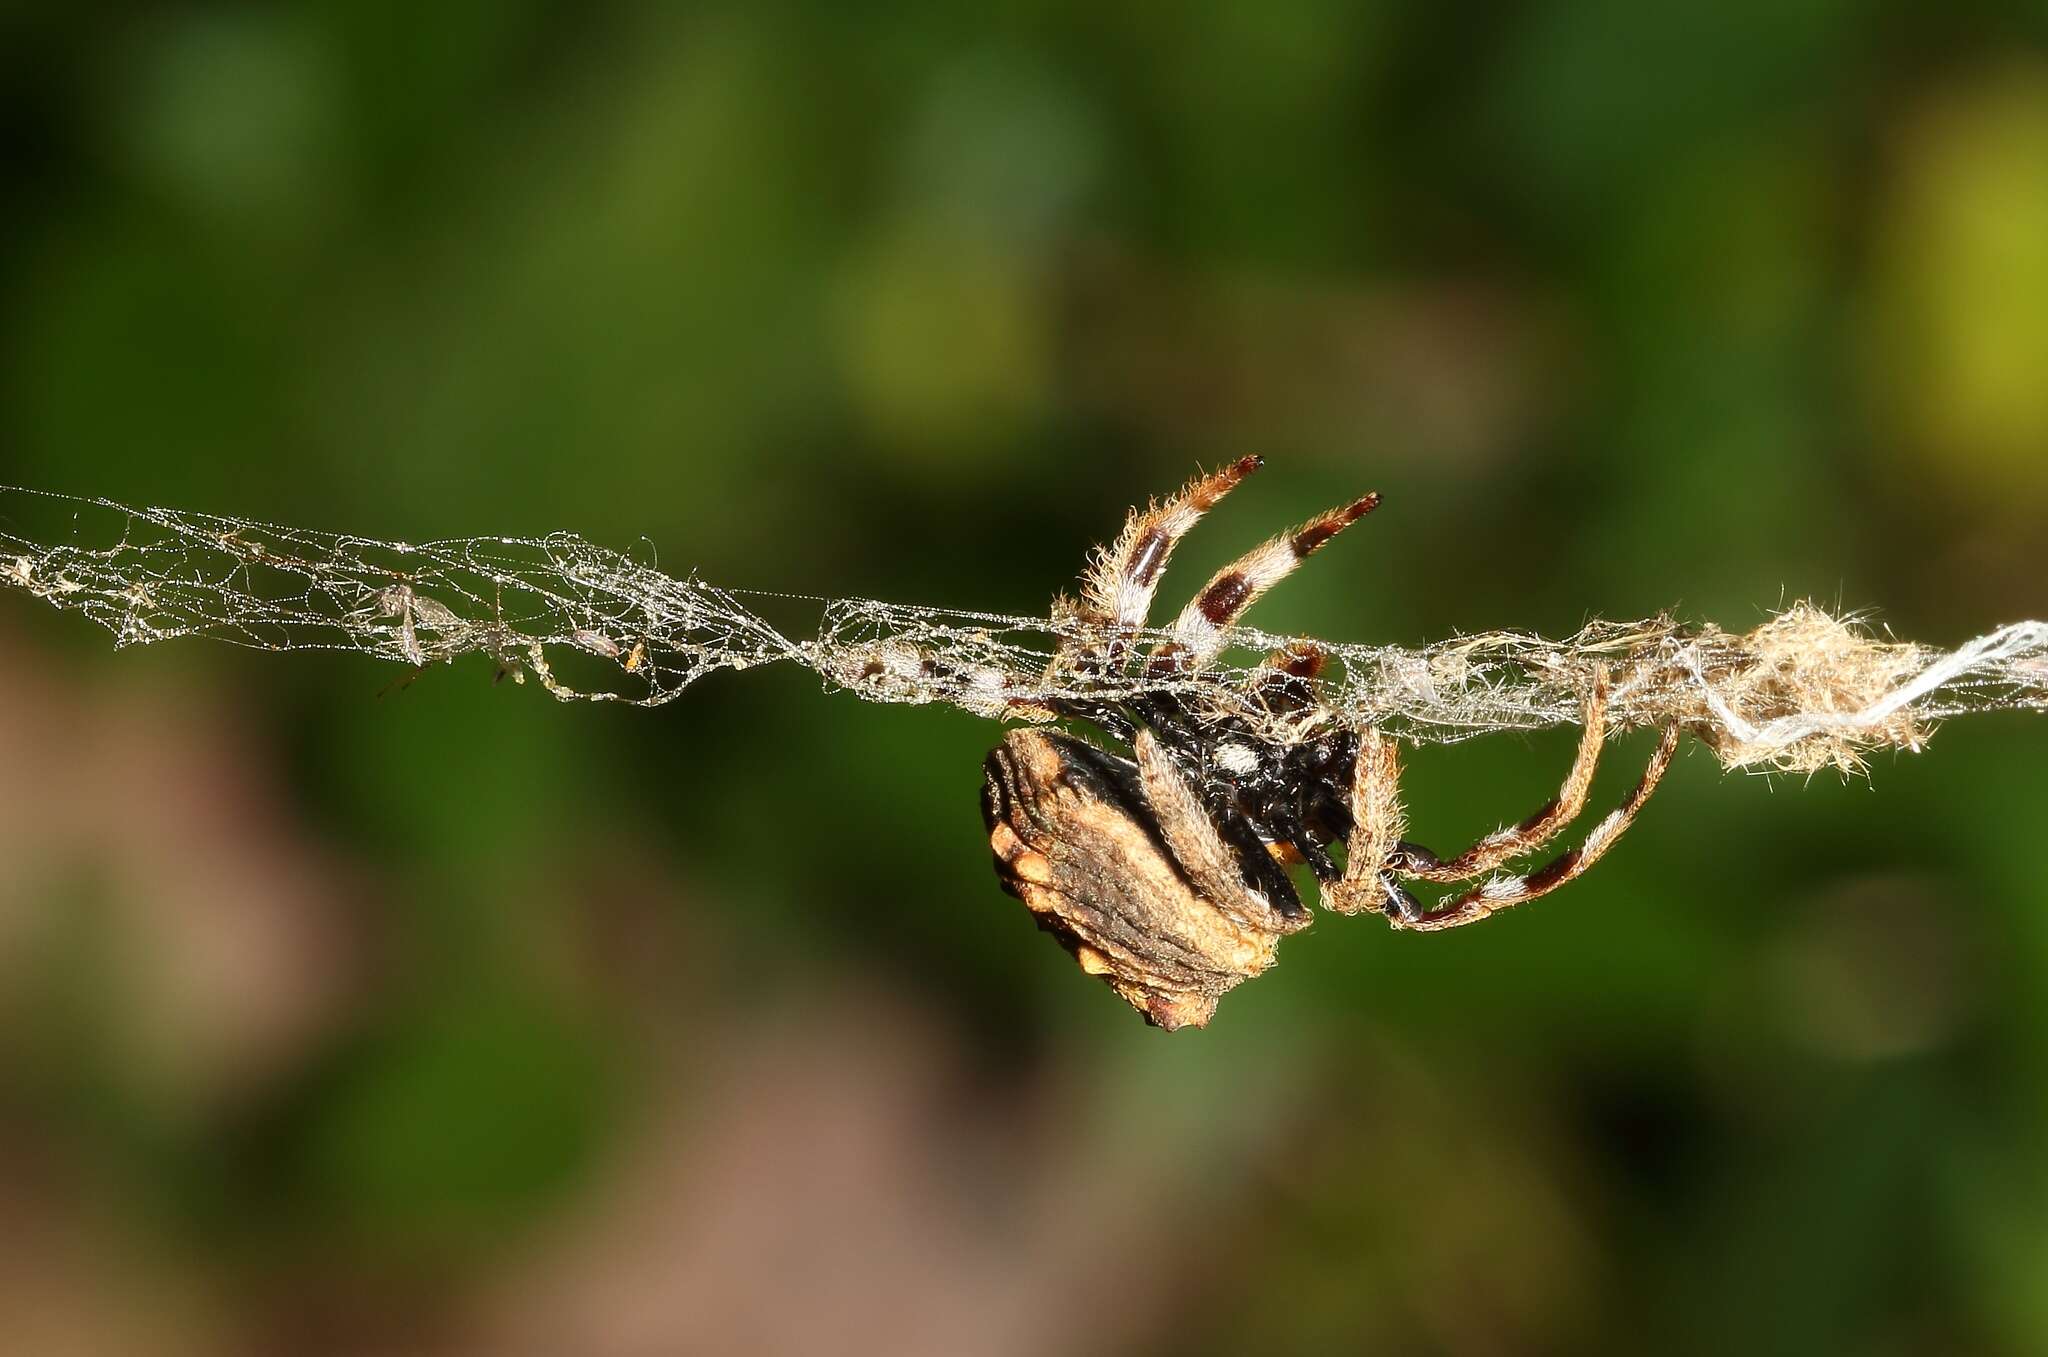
(1237,759)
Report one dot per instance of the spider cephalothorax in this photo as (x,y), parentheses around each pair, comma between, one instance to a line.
(1164,870)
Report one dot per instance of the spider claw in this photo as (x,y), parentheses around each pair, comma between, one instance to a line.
(1409,856)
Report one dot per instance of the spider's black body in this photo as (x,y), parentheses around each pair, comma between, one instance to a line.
(1272,802)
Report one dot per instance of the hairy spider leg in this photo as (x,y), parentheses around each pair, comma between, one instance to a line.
(1414,861)
(1122,577)
(1503,891)
(1198,632)
(1239,877)
(1377,823)
(1287,679)
(1299,659)
(1294,842)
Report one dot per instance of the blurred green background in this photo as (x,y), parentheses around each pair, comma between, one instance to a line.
(458,1021)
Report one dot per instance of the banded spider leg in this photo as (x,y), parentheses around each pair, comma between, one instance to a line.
(1378,858)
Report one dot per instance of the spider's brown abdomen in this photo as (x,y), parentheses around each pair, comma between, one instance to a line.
(1073,840)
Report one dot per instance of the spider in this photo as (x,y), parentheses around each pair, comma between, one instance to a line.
(1164,870)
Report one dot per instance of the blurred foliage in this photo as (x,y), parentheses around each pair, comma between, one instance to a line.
(453,1020)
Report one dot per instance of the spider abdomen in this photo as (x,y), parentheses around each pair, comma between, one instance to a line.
(1076,840)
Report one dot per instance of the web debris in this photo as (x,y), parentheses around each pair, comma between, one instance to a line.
(1804,691)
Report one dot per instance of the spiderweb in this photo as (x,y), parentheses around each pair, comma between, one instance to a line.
(1803,691)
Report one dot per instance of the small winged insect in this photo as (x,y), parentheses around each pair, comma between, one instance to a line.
(1157,853)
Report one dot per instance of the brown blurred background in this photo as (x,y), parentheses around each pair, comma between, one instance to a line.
(459,1022)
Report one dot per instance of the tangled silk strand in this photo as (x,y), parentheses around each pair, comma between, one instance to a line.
(1803,691)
